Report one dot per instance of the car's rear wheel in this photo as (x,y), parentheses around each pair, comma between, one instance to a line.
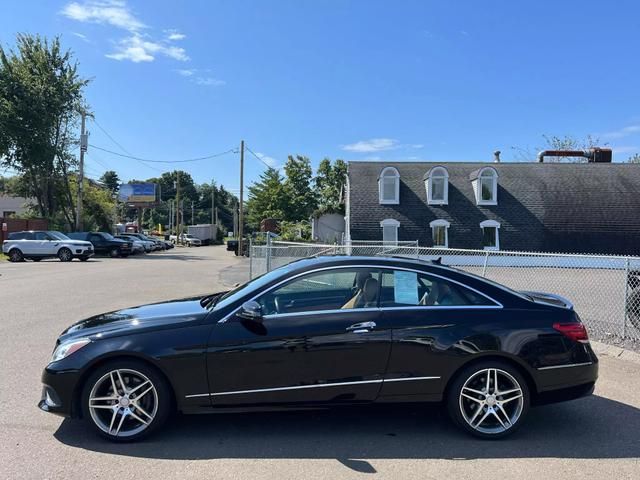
(65,255)
(114,253)
(15,255)
(489,399)
(126,400)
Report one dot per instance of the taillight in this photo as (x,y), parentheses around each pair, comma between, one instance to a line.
(575,331)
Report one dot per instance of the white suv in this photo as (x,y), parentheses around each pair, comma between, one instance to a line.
(36,245)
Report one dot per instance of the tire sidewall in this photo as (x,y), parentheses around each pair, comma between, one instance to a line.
(158,380)
(61,258)
(453,396)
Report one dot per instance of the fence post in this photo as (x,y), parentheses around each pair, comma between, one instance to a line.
(417,251)
(484,268)
(268,252)
(626,297)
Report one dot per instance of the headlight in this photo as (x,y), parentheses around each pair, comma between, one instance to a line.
(65,349)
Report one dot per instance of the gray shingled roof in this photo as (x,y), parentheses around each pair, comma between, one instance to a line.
(559,207)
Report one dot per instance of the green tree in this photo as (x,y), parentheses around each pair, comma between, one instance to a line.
(111,181)
(300,198)
(329,181)
(41,95)
(266,198)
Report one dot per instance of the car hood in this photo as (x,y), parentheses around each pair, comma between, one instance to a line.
(79,243)
(549,299)
(154,316)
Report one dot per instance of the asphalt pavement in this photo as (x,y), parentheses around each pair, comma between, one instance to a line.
(596,437)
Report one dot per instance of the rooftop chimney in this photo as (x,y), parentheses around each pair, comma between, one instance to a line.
(496,156)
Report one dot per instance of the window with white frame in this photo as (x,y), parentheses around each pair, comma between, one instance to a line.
(389,186)
(437,184)
(390,231)
(490,235)
(486,187)
(440,233)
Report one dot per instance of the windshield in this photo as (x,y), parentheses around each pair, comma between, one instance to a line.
(108,236)
(237,293)
(58,235)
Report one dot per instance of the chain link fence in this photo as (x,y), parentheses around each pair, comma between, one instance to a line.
(605,290)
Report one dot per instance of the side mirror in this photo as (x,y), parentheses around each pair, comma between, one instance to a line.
(251,311)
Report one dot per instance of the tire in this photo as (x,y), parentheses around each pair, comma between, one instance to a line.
(15,255)
(65,255)
(83,259)
(114,253)
(488,416)
(124,422)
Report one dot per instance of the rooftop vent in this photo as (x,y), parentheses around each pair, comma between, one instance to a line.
(593,155)
(496,156)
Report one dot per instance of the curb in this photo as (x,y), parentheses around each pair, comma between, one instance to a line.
(616,352)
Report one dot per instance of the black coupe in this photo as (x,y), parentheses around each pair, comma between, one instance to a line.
(323,332)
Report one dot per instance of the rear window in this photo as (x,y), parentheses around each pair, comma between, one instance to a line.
(21,236)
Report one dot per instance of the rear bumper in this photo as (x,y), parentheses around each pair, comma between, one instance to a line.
(565,394)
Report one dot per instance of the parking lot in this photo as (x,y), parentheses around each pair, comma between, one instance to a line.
(595,437)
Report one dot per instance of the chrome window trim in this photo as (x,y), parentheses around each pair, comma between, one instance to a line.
(569,365)
(303,387)
(497,305)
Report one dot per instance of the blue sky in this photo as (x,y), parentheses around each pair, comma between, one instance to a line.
(401,80)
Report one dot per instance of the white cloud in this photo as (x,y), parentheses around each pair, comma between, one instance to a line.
(372,145)
(210,82)
(626,149)
(378,145)
(623,132)
(139,49)
(187,72)
(111,12)
(173,35)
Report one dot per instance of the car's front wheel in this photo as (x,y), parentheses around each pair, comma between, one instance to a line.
(65,255)
(126,400)
(489,399)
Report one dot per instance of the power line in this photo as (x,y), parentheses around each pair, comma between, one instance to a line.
(258,157)
(166,161)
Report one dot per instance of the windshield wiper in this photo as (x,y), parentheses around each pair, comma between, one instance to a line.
(209,301)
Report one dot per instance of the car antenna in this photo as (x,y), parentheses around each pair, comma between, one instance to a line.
(437,261)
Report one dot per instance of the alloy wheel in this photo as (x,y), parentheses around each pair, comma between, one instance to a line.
(15,255)
(491,401)
(65,255)
(123,403)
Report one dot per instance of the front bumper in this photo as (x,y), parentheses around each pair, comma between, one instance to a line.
(58,392)
(83,252)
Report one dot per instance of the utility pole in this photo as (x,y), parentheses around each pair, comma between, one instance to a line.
(177,206)
(240,214)
(213,204)
(192,211)
(83,148)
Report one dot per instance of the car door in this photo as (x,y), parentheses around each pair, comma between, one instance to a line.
(41,244)
(427,313)
(98,242)
(313,344)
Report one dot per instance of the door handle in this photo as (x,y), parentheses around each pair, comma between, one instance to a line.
(363,327)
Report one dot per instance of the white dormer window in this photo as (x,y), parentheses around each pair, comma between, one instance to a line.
(390,231)
(440,233)
(490,235)
(389,186)
(437,185)
(485,186)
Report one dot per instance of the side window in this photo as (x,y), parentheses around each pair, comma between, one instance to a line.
(42,236)
(95,238)
(402,288)
(344,288)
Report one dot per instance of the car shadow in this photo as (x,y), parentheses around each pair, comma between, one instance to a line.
(590,428)
(164,256)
